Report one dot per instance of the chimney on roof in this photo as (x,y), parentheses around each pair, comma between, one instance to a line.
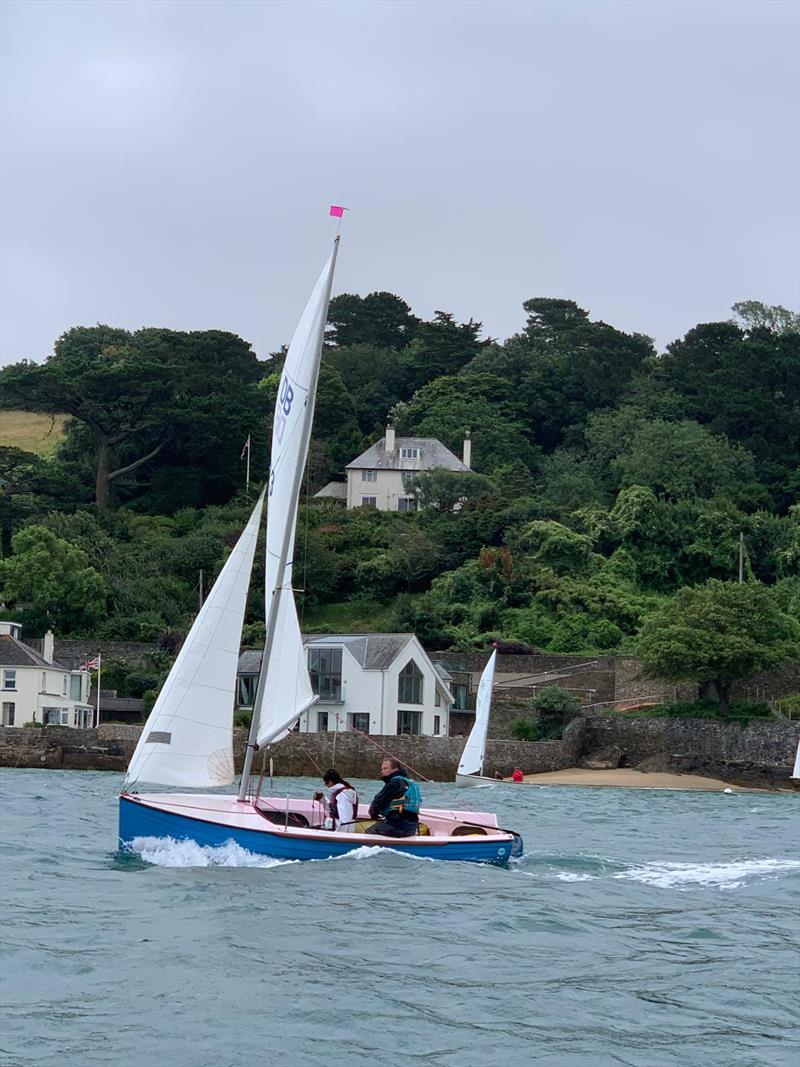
(390,437)
(467,449)
(47,647)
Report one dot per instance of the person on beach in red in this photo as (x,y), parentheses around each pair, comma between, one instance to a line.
(517,776)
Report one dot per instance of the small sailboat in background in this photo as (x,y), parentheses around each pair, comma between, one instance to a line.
(187,740)
(470,769)
(795,778)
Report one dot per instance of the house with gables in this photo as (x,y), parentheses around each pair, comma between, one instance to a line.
(376,683)
(34,688)
(380,477)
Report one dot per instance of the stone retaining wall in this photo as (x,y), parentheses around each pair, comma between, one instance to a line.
(759,754)
(111,746)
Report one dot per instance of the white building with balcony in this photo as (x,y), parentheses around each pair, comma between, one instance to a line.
(36,689)
(376,683)
(380,477)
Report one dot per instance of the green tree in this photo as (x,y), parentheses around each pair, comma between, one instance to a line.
(483,404)
(754,315)
(716,633)
(50,584)
(439,348)
(381,319)
(682,460)
(745,386)
(185,395)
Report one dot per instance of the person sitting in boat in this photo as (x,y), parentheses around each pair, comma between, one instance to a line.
(397,805)
(342,802)
(517,776)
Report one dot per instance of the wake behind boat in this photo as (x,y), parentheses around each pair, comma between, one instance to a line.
(187,740)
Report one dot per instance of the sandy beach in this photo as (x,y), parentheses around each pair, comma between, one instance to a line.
(629,779)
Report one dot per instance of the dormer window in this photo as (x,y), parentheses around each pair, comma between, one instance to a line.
(409,453)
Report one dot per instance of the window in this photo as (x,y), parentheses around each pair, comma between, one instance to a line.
(325,669)
(247,690)
(44,681)
(360,721)
(369,476)
(8,714)
(52,716)
(409,687)
(409,722)
(9,679)
(409,453)
(74,687)
(437,724)
(322,721)
(461,697)
(75,717)
(437,698)
(65,683)
(406,503)
(369,502)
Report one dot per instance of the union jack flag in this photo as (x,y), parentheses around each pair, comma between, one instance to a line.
(90,664)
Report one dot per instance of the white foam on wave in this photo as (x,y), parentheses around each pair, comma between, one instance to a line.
(167,852)
(571,876)
(716,875)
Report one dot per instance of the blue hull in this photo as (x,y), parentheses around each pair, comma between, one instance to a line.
(138,820)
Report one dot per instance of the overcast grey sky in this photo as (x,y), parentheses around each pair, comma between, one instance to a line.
(171,164)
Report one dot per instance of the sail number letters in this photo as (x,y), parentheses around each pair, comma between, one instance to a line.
(282,412)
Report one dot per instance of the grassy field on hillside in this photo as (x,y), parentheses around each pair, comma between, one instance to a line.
(349,617)
(31,431)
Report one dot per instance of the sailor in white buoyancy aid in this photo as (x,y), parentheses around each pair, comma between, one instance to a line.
(342,802)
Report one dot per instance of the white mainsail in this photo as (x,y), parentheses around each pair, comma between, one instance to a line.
(284,687)
(796,771)
(188,737)
(475,748)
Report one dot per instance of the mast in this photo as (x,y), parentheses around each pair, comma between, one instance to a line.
(288,536)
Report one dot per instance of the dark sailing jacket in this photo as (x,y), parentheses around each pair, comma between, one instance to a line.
(395,787)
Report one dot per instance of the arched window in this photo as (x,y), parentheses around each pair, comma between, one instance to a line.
(409,687)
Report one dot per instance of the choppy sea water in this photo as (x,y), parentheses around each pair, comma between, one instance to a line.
(651,928)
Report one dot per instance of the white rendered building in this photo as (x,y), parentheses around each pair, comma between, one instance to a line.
(35,689)
(379,478)
(376,683)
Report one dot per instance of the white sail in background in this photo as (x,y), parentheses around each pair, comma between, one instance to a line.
(285,690)
(475,748)
(188,737)
(796,771)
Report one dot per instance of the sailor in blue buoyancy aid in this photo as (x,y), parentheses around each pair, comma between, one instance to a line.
(397,804)
(342,802)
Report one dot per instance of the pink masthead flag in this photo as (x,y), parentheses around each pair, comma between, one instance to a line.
(337,211)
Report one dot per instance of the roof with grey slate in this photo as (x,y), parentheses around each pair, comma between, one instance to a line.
(14,653)
(433,455)
(332,491)
(373,652)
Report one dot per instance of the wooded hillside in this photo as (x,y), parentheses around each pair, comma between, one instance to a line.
(607,476)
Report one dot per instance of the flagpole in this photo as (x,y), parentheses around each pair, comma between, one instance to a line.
(248,466)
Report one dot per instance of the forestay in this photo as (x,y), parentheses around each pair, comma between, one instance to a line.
(188,737)
(475,749)
(285,688)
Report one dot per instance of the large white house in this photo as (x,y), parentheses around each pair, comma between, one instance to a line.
(377,683)
(36,689)
(380,477)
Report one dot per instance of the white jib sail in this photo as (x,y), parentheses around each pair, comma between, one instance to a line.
(286,691)
(475,748)
(796,771)
(188,737)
